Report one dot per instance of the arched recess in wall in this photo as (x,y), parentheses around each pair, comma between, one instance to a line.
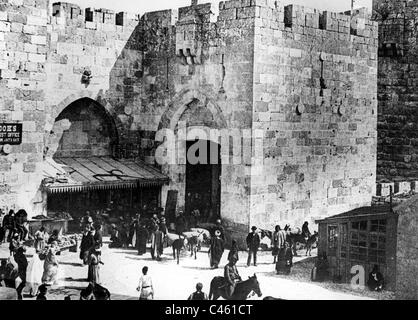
(185,100)
(83,128)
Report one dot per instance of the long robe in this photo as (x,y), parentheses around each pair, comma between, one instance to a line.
(216,251)
(34,274)
(141,240)
(157,244)
(94,268)
(284,261)
(50,275)
(87,242)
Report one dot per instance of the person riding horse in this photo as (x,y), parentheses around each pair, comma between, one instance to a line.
(231,275)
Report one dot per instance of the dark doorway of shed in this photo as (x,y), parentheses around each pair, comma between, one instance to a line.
(203,172)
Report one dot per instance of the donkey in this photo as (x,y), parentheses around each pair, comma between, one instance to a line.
(178,245)
(241,292)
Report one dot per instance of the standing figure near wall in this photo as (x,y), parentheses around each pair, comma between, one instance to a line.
(216,250)
(180,223)
(141,238)
(157,244)
(253,243)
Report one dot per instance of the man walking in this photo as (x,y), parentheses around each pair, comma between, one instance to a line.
(253,243)
(145,286)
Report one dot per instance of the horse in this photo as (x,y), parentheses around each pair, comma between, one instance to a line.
(312,241)
(241,292)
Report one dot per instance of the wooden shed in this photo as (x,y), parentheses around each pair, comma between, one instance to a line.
(362,237)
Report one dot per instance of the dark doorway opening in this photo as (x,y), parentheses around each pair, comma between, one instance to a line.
(203,186)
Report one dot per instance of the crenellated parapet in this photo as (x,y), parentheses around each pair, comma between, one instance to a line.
(65,13)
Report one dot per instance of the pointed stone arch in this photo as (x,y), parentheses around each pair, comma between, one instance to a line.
(180,104)
(104,109)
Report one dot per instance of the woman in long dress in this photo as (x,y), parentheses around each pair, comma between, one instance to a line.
(34,274)
(50,275)
(94,267)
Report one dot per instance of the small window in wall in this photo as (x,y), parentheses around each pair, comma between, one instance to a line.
(343,240)
(377,253)
(359,240)
(332,238)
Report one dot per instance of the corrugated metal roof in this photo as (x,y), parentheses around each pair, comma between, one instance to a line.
(363,211)
(78,174)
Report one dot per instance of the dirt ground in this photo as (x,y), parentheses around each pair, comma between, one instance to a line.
(122,269)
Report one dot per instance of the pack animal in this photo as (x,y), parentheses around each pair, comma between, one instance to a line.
(312,242)
(297,237)
(178,245)
(241,292)
(194,240)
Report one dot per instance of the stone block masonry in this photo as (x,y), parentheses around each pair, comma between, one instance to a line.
(397,91)
(305,78)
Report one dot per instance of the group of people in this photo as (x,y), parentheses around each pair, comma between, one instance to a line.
(16,272)
(13,226)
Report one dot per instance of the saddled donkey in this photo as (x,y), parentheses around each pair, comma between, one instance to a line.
(296,236)
(242,289)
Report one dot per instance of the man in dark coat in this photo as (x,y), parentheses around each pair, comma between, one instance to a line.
(87,243)
(253,243)
(22,266)
(218,226)
(180,223)
(142,235)
(98,238)
(216,250)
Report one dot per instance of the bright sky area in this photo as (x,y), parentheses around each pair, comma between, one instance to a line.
(142,6)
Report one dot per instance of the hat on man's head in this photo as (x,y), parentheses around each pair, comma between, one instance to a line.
(253,228)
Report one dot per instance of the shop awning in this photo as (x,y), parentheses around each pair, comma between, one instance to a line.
(94,173)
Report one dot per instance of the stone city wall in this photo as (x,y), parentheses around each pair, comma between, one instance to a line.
(305,78)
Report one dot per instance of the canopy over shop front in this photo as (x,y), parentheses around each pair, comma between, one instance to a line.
(98,173)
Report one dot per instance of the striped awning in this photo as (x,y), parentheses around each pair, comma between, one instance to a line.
(98,173)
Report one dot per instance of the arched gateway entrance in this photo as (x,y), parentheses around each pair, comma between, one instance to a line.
(84,170)
(193,117)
